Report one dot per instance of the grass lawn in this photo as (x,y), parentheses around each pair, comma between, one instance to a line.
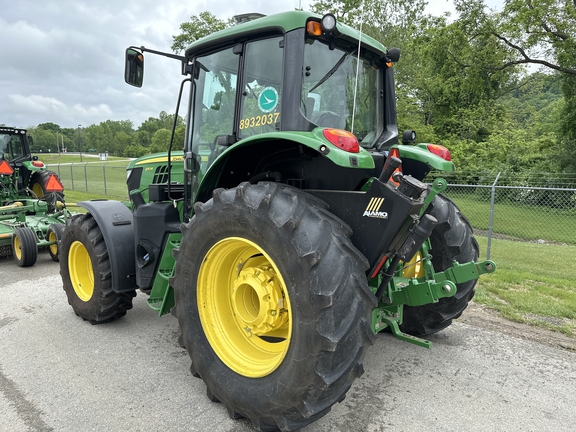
(533,283)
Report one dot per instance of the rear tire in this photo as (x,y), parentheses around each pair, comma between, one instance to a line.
(38,183)
(24,247)
(273,303)
(54,234)
(452,239)
(86,273)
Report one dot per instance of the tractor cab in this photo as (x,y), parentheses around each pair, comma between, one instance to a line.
(14,145)
(14,149)
(309,85)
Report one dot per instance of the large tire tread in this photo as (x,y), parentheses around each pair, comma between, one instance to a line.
(105,305)
(340,302)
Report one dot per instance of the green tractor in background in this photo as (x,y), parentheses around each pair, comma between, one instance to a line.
(32,213)
(291,229)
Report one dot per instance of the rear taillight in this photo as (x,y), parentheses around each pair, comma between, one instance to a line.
(38,164)
(342,139)
(439,150)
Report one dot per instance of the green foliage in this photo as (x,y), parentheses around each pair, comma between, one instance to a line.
(109,136)
(455,91)
(149,127)
(49,127)
(160,141)
(199,26)
(135,151)
(533,32)
(567,122)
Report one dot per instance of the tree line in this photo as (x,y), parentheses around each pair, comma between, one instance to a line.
(117,138)
(498,88)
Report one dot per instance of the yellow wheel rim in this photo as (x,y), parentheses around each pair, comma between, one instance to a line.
(414,268)
(244,307)
(53,247)
(37,189)
(17,248)
(81,273)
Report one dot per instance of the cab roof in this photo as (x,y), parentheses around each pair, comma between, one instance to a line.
(280,23)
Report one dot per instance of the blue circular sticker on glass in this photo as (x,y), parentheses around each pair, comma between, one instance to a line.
(268,99)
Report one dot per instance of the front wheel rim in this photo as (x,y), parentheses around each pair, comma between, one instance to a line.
(81,273)
(17,248)
(53,238)
(244,307)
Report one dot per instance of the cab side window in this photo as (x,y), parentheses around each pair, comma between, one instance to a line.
(261,87)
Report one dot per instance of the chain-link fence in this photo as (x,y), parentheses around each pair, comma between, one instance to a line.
(537,208)
(101,178)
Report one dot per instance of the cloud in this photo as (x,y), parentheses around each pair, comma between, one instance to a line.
(36,103)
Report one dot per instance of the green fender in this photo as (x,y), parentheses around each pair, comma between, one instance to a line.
(31,167)
(420,153)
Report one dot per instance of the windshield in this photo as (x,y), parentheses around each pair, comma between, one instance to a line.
(330,84)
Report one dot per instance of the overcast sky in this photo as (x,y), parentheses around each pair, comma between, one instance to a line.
(62,61)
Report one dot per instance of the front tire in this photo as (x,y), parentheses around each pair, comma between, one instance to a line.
(452,240)
(86,273)
(273,303)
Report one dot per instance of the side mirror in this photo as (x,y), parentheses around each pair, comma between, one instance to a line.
(134,68)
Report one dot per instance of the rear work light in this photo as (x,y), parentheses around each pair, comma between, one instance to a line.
(342,139)
(53,184)
(5,168)
(439,150)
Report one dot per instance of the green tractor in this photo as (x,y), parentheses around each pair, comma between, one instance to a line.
(32,213)
(291,228)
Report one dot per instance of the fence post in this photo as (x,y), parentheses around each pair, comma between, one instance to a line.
(86,176)
(104,173)
(71,176)
(490,224)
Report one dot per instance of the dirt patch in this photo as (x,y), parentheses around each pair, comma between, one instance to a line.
(480,316)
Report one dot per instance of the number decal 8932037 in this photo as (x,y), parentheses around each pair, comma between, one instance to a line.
(262,120)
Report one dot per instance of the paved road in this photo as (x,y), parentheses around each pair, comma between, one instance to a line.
(60,373)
